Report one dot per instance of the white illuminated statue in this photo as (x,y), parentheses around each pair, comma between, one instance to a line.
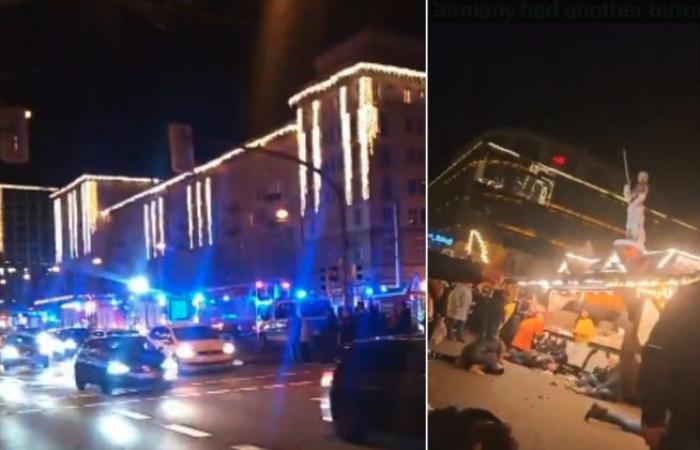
(635,209)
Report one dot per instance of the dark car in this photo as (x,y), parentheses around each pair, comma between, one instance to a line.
(72,339)
(123,362)
(23,349)
(378,385)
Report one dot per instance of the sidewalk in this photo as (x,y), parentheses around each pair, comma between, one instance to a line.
(543,416)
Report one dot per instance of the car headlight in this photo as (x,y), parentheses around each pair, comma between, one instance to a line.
(117,368)
(170,369)
(229,348)
(70,344)
(184,351)
(9,352)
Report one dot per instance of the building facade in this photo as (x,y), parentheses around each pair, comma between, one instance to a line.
(363,128)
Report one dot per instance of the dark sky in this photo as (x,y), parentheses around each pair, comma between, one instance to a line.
(596,86)
(104,77)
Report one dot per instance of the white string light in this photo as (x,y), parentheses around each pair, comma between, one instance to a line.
(198,203)
(346,139)
(367,130)
(301,147)
(190,227)
(475,236)
(57,230)
(207,204)
(316,150)
(147,230)
(161,227)
(154,229)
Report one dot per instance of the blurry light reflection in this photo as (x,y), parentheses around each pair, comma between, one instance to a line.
(117,430)
(175,409)
(12,391)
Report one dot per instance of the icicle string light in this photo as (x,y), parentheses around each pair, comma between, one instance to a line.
(316,150)
(367,130)
(190,225)
(160,248)
(346,140)
(475,236)
(207,204)
(301,145)
(57,229)
(198,205)
(154,229)
(147,230)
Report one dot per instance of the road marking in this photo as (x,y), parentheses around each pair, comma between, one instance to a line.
(248,389)
(195,384)
(189,394)
(212,382)
(193,432)
(246,447)
(300,383)
(70,407)
(220,391)
(273,386)
(28,411)
(132,414)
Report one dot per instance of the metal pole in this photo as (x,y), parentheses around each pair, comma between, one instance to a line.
(397,255)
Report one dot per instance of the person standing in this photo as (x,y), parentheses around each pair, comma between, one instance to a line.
(305,340)
(459,303)
(669,378)
(495,312)
(345,327)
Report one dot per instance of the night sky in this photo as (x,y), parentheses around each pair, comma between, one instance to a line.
(595,86)
(104,77)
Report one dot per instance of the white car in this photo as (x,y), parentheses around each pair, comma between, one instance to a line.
(193,346)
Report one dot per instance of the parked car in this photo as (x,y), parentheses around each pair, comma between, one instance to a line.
(193,346)
(274,321)
(23,349)
(123,362)
(105,332)
(378,385)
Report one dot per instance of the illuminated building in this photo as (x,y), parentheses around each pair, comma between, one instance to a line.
(366,123)
(538,198)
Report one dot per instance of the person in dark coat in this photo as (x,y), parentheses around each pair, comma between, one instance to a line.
(495,312)
(345,326)
(361,322)
(669,378)
(404,322)
(329,337)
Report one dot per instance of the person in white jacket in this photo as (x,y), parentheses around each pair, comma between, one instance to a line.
(459,303)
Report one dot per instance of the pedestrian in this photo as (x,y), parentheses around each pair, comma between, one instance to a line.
(584,330)
(329,337)
(305,340)
(362,325)
(495,312)
(459,303)
(670,375)
(345,326)
(404,323)
(293,335)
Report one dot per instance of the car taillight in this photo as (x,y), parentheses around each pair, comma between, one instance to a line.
(327,378)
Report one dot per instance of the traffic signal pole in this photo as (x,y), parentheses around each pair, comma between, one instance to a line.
(342,213)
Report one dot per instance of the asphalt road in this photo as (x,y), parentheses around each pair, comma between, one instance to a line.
(263,405)
(543,416)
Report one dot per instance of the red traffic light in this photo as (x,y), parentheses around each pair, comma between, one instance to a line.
(559,160)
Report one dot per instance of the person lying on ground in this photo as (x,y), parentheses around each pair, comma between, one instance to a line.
(485,355)
(603,383)
(628,424)
(468,429)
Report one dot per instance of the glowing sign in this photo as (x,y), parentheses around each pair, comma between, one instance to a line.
(438,238)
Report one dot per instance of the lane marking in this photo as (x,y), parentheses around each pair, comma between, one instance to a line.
(132,414)
(193,432)
(219,391)
(246,447)
(247,389)
(316,399)
(85,395)
(128,400)
(28,411)
(300,383)
(273,386)
(92,405)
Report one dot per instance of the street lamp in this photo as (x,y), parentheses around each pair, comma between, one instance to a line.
(97,261)
(138,285)
(282,215)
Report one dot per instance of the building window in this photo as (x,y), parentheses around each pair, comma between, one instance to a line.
(384,157)
(387,188)
(413,216)
(388,213)
(413,187)
(407,98)
(358,217)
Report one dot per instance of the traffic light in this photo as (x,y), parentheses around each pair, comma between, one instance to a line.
(358,272)
(324,280)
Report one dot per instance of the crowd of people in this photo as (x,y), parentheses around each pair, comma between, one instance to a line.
(318,339)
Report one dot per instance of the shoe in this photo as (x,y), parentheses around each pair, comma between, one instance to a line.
(595,412)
